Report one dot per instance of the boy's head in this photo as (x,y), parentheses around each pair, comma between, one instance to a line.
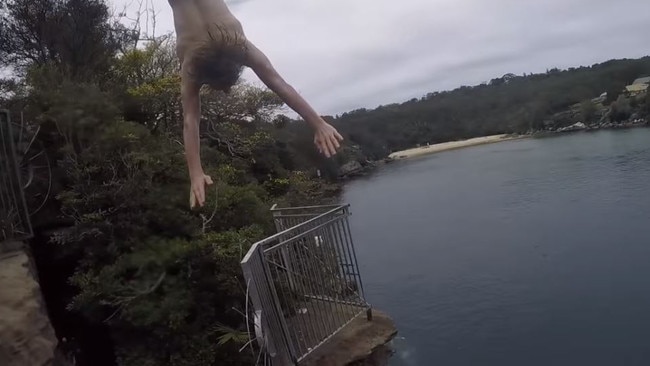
(218,62)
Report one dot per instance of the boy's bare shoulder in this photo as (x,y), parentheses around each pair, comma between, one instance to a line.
(196,21)
(203,12)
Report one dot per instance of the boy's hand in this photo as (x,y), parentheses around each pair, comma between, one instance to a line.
(197,192)
(327,139)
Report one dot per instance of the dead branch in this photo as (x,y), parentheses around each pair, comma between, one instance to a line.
(206,221)
(123,301)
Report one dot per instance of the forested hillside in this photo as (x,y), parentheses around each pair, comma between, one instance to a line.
(509,104)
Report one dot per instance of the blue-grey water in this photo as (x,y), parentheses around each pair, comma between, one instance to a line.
(529,252)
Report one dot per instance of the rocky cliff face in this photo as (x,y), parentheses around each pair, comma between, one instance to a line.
(26,336)
(360,343)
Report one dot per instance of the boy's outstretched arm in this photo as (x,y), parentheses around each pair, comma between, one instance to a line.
(191,102)
(326,137)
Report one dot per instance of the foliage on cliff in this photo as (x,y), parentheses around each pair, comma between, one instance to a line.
(132,259)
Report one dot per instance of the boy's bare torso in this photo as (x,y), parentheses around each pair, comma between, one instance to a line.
(195,20)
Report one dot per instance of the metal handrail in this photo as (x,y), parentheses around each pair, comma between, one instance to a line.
(304,281)
(15,223)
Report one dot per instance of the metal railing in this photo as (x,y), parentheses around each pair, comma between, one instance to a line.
(304,281)
(14,218)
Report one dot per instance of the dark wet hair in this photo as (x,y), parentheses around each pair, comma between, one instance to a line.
(219,61)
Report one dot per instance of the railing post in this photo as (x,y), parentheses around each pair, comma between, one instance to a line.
(280,227)
(264,299)
(12,197)
(251,287)
(278,314)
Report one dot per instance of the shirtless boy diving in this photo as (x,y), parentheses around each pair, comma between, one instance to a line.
(212,50)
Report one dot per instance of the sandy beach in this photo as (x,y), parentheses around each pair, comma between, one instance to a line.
(451,145)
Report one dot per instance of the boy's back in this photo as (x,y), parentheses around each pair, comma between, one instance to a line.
(196,20)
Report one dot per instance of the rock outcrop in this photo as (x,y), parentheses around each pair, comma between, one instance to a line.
(26,335)
(360,343)
(350,168)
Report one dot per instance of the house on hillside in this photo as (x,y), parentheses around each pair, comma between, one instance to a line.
(643,80)
(636,89)
(639,86)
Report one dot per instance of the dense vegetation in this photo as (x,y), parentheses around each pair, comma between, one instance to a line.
(509,104)
(131,275)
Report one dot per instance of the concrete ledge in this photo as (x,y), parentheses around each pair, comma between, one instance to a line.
(26,336)
(361,342)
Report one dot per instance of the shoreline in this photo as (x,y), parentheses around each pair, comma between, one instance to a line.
(452,145)
(483,140)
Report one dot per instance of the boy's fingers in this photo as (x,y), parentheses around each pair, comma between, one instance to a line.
(336,143)
(330,147)
(322,147)
(197,197)
(338,136)
(208,179)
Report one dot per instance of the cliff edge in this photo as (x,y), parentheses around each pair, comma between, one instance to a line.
(26,335)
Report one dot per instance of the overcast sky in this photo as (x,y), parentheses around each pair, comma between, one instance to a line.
(347,54)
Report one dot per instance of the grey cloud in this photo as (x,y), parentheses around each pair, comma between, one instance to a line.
(343,54)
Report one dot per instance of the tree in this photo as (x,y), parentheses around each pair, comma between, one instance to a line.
(244,102)
(281,121)
(613,93)
(587,111)
(620,110)
(152,93)
(76,35)
(162,279)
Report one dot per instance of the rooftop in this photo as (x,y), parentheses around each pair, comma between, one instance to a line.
(643,80)
(636,88)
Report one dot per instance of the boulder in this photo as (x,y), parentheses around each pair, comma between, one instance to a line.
(350,168)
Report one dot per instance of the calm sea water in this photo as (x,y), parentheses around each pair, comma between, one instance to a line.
(530,252)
